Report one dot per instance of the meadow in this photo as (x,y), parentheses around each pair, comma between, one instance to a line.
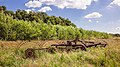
(20,30)
(12,55)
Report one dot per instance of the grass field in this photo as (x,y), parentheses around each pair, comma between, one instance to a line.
(12,55)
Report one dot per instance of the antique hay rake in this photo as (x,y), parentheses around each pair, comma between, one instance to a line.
(68,46)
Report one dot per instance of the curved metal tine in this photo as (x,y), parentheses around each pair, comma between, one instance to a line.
(20,44)
(40,43)
(55,41)
(44,42)
(23,43)
(83,42)
(105,41)
(58,41)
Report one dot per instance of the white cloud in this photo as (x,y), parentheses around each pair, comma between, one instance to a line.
(115,2)
(117,28)
(28,10)
(95,0)
(90,20)
(77,4)
(93,15)
(109,6)
(45,9)
(33,4)
(73,4)
(33,9)
(97,21)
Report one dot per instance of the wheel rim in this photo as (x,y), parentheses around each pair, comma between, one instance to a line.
(30,53)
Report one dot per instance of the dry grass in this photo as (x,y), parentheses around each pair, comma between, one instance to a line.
(11,56)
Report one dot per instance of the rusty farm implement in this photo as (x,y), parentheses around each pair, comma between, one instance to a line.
(66,46)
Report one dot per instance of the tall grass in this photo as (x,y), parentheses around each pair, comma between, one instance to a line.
(93,57)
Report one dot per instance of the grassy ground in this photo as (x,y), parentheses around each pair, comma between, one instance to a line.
(11,55)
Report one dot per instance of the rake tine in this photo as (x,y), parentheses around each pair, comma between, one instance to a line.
(44,42)
(21,43)
(40,43)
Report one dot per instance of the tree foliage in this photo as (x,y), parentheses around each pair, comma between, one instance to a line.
(27,26)
(12,29)
(38,16)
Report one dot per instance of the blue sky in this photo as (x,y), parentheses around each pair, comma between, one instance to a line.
(99,15)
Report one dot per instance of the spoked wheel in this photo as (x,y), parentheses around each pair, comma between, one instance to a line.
(30,53)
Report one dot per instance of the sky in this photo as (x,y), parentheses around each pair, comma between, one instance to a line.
(99,15)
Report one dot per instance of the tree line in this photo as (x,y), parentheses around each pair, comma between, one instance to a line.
(115,35)
(14,29)
(37,16)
